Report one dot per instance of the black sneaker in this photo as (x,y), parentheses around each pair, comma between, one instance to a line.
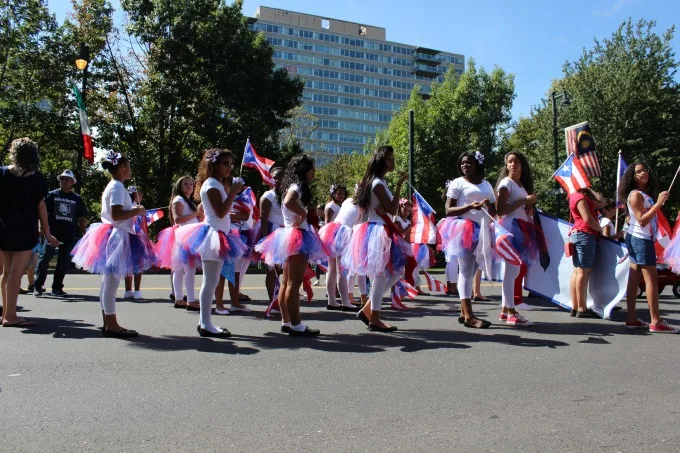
(305,333)
(38,291)
(30,289)
(285,329)
(59,292)
(22,292)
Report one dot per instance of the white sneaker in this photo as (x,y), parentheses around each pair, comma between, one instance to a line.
(524,306)
(242,309)
(221,312)
(137,295)
(128,294)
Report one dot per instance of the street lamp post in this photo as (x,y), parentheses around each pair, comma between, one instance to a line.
(554,96)
(82,62)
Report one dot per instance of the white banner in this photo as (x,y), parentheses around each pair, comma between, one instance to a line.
(608,279)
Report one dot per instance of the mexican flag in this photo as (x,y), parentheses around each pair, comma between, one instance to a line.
(88,151)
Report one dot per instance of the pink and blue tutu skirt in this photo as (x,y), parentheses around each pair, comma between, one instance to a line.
(335,236)
(373,250)
(524,239)
(289,241)
(108,250)
(459,236)
(165,247)
(201,241)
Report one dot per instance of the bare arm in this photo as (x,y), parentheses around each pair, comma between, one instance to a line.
(44,224)
(327,214)
(265,209)
(118,213)
(453,210)
(504,208)
(178,213)
(82,224)
(291,203)
(390,206)
(583,210)
(637,204)
(220,207)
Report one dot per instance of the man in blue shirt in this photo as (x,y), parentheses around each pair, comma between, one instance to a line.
(66,211)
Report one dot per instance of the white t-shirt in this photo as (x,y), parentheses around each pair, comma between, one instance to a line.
(115,194)
(465,192)
(349,213)
(275,216)
(375,202)
(334,207)
(221,224)
(186,210)
(403,223)
(290,217)
(516,192)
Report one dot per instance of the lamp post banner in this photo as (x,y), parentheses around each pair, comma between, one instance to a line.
(608,279)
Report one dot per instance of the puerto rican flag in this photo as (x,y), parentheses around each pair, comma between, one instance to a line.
(261,164)
(504,246)
(400,290)
(571,175)
(245,201)
(433,284)
(424,225)
(153,214)
(664,233)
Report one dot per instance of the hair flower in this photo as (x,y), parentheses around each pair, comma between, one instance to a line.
(480,157)
(212,156)
(112,157)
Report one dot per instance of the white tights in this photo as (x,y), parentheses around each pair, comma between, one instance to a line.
(211,277)
(380,284)
(107,293)
(363,287)
(509,276)
(452,269)
(184,278)
(466,275)
(335,277)
(241,266)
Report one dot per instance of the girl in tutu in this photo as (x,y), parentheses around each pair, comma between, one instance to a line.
(183,211)
(376,248)
(294,245)
(338,194)
(271,220)
(336,235)
(451,269)
(112,248)
(211,239)
(639,187)
(514,206)
(467,237)
(140,226)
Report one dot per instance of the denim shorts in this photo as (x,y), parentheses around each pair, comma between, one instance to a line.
(640,251)
(586,247)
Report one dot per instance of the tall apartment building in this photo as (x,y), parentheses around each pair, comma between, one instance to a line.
(354,78)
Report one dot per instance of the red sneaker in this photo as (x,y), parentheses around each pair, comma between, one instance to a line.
(663,328)
(503,317)
(638,324)
(519,321)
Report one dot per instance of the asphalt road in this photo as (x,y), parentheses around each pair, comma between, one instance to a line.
(561,385)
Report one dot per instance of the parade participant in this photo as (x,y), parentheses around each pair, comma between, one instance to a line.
(451,269)
(336,235)
(212,240)
(467,237)
(112,248)
(338,194)
(242,221)
(376,248)
(514,205)
(321,216)
(21,208)
(66,212)
(140,226)
(583,236)
(182,211)
(294,245)
(639,187)
(271,219)
(606,217)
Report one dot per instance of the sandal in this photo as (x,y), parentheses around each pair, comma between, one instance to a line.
(243,297)
(383,329)
(123,333)
(20,324)
(481,299)
(362,317)
(483,324)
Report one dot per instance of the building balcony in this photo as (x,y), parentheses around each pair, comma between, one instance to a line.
(427,58)
(425,70)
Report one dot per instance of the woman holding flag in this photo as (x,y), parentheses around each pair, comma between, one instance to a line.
(376,248)
(467,237)
(639,187)
(515,202)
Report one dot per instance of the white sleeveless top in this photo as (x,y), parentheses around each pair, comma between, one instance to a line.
(115,194)
(403,223)
(375,202)
(335,209)
(186,210)
(634,228)
(221,224)
(275,215)
(515,193)
(289,217)
(348,214)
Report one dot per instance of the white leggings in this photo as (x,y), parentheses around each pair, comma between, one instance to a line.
(466,275)
(379,285)
(211,277)
(336,278)
(107,293)
(241,266)
(184,278)
(361,281)
(511,273)
(452,269)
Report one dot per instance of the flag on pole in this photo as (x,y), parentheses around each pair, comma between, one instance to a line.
(622,167)
(153,214)
(434,285)
(261,164)
(571,175)
(424,225)
(504,246)
(274,303)
(664,233)
(88,148)
(580,142)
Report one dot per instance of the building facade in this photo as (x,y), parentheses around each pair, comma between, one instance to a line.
(354,78)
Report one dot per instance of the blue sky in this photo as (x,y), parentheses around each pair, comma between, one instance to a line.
(531,39)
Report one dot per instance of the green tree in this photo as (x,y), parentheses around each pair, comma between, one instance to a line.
(346,169)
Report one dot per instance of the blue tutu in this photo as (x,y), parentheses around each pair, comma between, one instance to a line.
(373,250)
(285,242)
(202,240)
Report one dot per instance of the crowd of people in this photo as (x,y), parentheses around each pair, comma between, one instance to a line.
(364,238)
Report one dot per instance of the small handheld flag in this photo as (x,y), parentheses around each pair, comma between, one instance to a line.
(153,214)
(622,167)
(434,285)
(261,164)
(424,229)
(504,246)
(571,176)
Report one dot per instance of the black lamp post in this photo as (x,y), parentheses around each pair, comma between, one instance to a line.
(554,96)
(82,61)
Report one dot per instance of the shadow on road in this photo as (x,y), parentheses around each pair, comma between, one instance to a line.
(63,328)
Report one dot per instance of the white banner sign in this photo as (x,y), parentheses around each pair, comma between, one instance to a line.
(608,279)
